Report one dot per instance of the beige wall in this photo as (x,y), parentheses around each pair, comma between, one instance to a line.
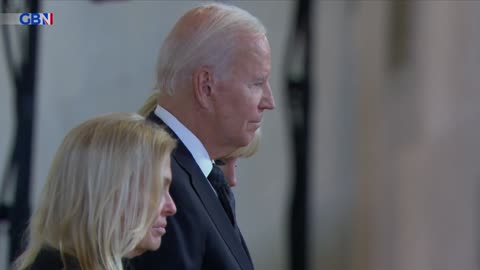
(418,205)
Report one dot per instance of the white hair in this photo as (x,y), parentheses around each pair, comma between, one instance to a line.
(212,42)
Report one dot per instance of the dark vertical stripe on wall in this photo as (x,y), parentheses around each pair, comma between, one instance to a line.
(399,33)
(18,169)
(298,75)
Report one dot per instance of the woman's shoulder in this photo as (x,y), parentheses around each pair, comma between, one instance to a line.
(50,259)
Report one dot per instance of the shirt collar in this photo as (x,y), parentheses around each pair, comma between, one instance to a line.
(193,144)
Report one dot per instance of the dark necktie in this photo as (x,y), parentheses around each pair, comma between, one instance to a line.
(225,194)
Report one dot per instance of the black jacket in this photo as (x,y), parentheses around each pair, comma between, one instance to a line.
(50,259)
(199,235)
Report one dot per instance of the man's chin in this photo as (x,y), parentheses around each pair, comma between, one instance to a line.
(247,139)
(254,125)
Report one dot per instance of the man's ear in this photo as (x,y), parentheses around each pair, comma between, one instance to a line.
(203,85)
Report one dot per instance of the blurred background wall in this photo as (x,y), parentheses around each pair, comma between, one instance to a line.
(395,164)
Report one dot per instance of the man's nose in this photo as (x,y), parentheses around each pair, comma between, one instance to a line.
(268,102)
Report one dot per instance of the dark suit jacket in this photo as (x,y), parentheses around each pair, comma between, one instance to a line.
(199,235)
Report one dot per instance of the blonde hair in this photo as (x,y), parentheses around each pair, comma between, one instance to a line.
(242,152)
(212,42)
(149,104)
(102,191)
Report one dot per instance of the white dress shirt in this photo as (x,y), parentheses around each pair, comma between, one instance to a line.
(193,144)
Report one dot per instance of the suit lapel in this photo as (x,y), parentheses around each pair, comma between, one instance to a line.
(209,200)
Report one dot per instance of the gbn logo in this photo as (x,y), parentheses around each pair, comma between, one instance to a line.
(36,18)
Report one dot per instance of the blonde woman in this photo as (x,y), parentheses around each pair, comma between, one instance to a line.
(106,197)
(227,163)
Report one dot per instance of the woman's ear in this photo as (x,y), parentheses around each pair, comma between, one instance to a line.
(203,85)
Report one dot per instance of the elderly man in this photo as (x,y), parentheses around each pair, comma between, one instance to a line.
(213,77)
